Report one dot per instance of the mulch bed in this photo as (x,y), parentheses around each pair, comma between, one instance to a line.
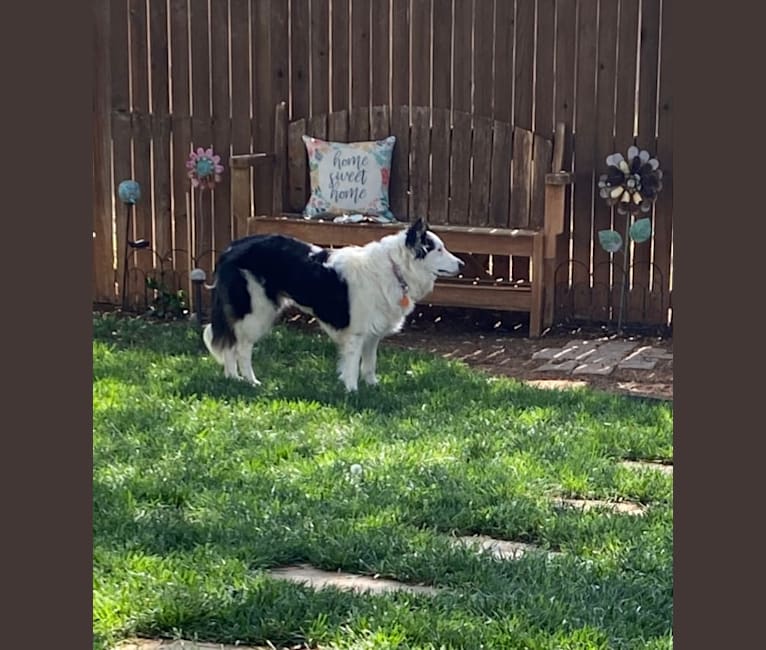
(498,343)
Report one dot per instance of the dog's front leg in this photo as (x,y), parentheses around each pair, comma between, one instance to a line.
(370,360)
(350,356)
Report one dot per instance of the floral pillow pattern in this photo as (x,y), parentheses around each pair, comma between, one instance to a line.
(349,179)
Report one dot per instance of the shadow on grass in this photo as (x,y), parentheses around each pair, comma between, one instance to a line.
(511,618)
(296,366)
(547,599)
(159,493)
(623,603)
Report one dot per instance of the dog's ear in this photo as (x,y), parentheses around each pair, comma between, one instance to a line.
(416,238)
(416,234)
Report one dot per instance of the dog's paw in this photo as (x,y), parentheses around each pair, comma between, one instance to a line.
(253,381)
(371,380)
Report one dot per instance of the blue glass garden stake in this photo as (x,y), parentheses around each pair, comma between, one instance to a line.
(129,192)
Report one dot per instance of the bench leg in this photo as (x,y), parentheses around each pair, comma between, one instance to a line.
(536,310)
(549,287)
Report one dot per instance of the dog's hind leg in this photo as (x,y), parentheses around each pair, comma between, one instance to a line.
(370,360)
(230,363)
(245,361)
(350,355)
(250,330)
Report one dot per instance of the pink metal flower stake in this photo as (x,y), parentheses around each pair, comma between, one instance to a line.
(205,168)
(205,171)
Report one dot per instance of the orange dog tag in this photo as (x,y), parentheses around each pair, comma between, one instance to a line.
(405,301)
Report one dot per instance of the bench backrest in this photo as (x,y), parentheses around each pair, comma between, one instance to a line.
(454,169)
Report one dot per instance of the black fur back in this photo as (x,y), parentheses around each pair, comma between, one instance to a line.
(285,267)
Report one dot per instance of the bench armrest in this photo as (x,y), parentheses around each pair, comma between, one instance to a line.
(241,161)
(559,178)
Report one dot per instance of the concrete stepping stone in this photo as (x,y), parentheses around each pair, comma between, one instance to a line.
(659,353)
(617,507)
(573,350)
(502,549)
(603,360)
(645,358)
(585,357)
(648,465)
(639,360)
(182,644)
(599,357)
(319,579)
(562,366)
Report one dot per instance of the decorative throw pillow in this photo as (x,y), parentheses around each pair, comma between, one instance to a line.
(349,179)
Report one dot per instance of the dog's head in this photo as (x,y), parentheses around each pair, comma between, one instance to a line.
(429,249)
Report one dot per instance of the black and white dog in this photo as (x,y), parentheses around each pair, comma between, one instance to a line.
(359,294)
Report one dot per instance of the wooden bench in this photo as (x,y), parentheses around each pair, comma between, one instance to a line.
(485,187)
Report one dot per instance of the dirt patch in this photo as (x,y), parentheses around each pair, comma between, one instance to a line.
(557,384)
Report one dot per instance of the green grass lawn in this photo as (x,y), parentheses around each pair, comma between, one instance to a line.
(200,483)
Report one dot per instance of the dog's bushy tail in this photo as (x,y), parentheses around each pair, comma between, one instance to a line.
(207,337)
(218,334)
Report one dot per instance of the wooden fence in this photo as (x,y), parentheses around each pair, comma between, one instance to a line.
(171,75)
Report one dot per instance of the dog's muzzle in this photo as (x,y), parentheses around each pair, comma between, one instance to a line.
(446,273)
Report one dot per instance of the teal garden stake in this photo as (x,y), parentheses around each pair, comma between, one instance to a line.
(129,192)
(631,184)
